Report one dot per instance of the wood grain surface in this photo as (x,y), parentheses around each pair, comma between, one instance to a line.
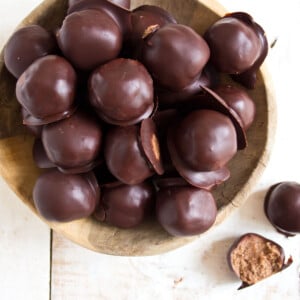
(18,169)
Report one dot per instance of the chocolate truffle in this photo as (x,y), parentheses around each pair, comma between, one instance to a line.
(39,155)
(175,55)
(35,130)
(240,101)
(234,45)
(282,207)
(64,197)
(123,3)
(89,38)
(47,90)
(183,211)
(125,155)
(125,206)
(121,92)
(252,258)
(73,144)
(25,46)
(205,140)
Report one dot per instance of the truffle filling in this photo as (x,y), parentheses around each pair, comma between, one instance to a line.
(255,259)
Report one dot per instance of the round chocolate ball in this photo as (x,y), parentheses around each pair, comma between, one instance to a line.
(282,207)
(47,90)
(64,197)
(184,211)
(205,140)
(240,101)
(89,38)
(73,144)
(125,206)
(234,45)
(25,46)
(121,92)
(175,55)
(124,159)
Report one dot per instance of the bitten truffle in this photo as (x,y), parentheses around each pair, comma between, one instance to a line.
(282,207)
(252,258)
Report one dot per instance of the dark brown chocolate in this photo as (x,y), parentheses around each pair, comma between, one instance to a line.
(47,90)
(39,155)
(125,206)
(25,46)
(184,211)
(124,157)
(175,55)
(123,3)
(35,130)
(89,38)
(282,207)
(253,257)
(65,197)
(240,101)
(73,144)
(235,46)
(121,92)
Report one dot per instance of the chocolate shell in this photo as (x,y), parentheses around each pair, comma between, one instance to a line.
(121,92)
(165,52)
(47,90)
(184,211)
(25,46)
(89,38)
(73,144)
(35,130)
(123,3)
(125,206)
(282,207)
(252,258)
(64,197)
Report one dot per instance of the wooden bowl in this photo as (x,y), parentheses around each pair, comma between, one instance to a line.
(18,169)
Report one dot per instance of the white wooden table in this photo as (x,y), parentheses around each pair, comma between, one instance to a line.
(36,264)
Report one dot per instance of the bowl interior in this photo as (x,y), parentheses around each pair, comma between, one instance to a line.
(18,169)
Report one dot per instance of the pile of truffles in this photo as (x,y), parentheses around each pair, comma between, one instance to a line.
(129,113)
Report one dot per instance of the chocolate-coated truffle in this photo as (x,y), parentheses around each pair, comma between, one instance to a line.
(25,46)
(64,197)
(35,130)
(252,258)
(125,206)
(89,38)
(282,207)
(234,45)
(73,144)
(175,55)
(124,159)
(47,90)
(185,210)
(39,155)
(123,3)
(121,92)
(240,101)
(205,140)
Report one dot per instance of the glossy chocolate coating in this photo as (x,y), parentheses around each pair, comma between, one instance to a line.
(234,45)
(39,155)
(205,140)
(35,130)
(124,159)
(89,38)
(47,90)
(73,144)
(25,46)
(253,257)
(125,206)
(64,197)
(184,211)
(240,101)
(119,14)
(121,92)
(282,207)
(175,55)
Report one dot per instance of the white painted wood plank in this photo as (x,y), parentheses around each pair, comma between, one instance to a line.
(24,239)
